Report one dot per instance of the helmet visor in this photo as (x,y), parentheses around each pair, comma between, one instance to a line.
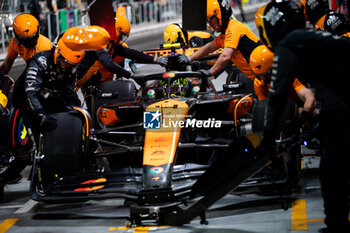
(266,77)
(179,38)
(214,24)
(122,38)
(28,42)
(209,27)
(65,66)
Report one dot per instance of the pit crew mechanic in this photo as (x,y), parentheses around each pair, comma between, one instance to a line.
(320,15)
(314,57)
(115,48)
(237,40)
(27,42)
(314,10)
(335,23)
(261,61)
(50,85)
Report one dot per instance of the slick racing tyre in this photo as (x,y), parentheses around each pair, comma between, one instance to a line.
(62,149)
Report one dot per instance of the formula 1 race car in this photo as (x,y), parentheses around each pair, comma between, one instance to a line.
(151,149)
(170,150)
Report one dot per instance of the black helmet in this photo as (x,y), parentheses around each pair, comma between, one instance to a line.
(336,23)
(314,9)
(276,19)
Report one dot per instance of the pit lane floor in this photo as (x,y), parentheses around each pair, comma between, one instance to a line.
(236,212)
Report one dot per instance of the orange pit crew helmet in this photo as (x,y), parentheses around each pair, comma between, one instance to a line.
(122,28)
(66,54)
(86,38)
(260,61)
(26,29)
(221,9)
(70,56)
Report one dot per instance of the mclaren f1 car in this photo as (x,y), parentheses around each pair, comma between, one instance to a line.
(170,149)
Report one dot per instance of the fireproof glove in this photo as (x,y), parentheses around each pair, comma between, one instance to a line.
(163,61)
(184,60)
(307,119)
(204,72)
(48,123)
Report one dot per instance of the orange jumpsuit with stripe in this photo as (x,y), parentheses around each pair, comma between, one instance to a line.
(261,89)
(239,37)
(16,48)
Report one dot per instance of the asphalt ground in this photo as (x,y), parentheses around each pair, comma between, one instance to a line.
(262,212)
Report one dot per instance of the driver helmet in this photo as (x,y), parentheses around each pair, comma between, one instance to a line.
(122,28)
(178,88)
(221,9)
(335,23)
(314,9)
(260,61)
(66,58)
(174,33)
(26,29)
(277,19)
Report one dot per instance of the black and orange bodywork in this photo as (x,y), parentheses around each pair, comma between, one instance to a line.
(161,164)
(160,146)
(158,167)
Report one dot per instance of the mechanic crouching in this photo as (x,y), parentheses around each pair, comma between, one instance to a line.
(50,84)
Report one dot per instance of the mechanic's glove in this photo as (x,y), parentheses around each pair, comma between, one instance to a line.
(163,61)
(184,60)
(307,119)
(206,73)
(137,77)
(47,123)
